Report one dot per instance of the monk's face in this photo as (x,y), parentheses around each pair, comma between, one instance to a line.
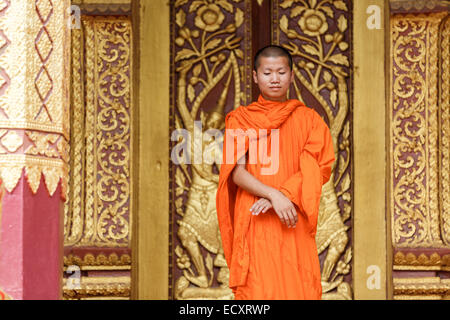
(273,77)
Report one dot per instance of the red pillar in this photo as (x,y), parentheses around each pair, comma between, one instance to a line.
(31,243)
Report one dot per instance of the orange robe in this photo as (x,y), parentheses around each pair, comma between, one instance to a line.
(266,259)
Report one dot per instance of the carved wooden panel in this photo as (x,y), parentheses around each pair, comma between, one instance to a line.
(418,194)
(419,154)
(98,212)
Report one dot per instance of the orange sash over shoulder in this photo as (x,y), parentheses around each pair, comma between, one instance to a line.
(306,157)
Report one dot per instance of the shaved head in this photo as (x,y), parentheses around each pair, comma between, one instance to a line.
(272,51)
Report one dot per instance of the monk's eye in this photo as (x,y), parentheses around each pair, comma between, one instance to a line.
(266,73)
(282,73)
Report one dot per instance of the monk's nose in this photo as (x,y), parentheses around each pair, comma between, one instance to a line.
(275,79)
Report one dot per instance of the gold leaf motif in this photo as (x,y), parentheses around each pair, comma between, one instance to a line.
(226,5)
(239,53)
(333,97)
(10,174)
(339,59)
(238,17)
(33,173)
(191,92)
(180,18)
(179,3)
(297,11)
(284,23)
(52,177)
(286,4)
(184,54)
(339,4)
(195,5)
(345,183)
(326,76)
(328,11)
(310,49)
(342,23)
(213,44)
(196,71)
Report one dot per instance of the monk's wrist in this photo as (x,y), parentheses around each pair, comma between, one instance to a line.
(272,193)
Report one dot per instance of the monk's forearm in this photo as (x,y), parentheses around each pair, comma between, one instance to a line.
(251,184)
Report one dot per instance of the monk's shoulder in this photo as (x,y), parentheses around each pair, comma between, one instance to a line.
(233,116)
(304,114)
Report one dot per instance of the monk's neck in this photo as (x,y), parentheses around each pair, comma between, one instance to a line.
(280,99)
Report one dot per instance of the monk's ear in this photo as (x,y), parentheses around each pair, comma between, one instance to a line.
(292,76)
(255,77)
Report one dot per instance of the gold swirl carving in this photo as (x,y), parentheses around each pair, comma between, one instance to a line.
(101,137)
(444,132)
(207,55)
(414,131)
(322,66)
(33,93)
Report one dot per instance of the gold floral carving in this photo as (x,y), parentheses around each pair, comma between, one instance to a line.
(33,93)
(414,131)
(99,288)
(322,67)
(98,212)
(207,55)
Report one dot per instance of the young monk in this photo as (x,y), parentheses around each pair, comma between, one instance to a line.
(268,221)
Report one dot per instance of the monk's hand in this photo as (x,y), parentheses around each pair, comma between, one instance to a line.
(261,205)
(284,208)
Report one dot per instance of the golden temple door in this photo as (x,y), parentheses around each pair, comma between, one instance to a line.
(213,45)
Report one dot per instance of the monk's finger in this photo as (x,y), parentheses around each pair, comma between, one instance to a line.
(252,208)
(287,221)
(281,216)
(260,208)
(291,218)
(295,215)
(266,207)
(257,209)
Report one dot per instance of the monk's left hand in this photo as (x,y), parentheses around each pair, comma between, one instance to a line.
(262,205)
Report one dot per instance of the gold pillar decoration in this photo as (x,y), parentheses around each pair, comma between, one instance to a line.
(418,217)
(98,212)
(444,129)
(152,96)
(370,232)
(34,97)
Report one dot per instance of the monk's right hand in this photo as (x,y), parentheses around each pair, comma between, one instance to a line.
(284,208)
